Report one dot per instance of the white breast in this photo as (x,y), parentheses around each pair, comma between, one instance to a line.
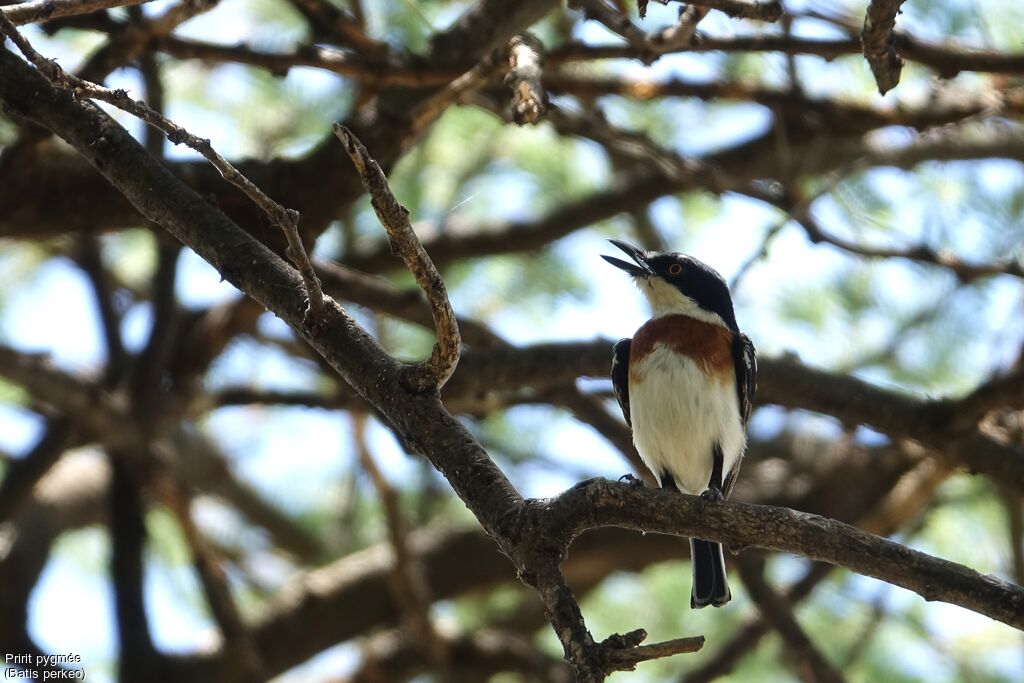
(678,417)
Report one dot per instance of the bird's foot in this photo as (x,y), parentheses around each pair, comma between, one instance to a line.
(713,494)
(630,480)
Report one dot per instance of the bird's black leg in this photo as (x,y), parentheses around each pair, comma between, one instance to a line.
(714,491)
(629,479)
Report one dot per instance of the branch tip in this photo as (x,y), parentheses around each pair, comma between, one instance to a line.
(432,373)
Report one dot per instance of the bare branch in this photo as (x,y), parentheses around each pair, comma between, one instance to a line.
(679,35)
(964,271)
(599,502)
(435,371)
(480,654)
(618,23)
(880,44)
(628,657)
(906,499)
(44,10)
(434,106)
(286,219)
(947,59)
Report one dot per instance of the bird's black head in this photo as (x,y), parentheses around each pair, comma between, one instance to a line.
(677,283)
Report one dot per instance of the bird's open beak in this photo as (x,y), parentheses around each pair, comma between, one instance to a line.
(641,269)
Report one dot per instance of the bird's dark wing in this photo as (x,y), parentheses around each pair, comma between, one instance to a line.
(620,376)
(744,358)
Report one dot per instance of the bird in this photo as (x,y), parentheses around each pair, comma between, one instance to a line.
(685,382)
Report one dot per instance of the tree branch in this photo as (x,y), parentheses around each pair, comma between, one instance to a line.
(598,502)
(285,219)
(44,10)
(434,372)
(880,44)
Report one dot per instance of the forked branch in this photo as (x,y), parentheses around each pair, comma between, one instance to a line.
(432,373)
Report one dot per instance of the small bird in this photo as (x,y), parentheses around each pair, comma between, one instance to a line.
(685,382)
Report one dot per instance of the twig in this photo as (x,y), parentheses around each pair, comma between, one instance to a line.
(626,658)
(473,79)
(516,524)
(619,23)
(947,60)
(435,371)
(879,43)
(965,272)
(525,68)
(680,35)
(286,219)
(44,10)
(348,30)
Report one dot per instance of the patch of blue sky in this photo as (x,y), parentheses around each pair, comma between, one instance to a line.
(339,661)
(71,608)
(199,285)
(257,23)
(56,315)
(581,448)
(135,326)
(288,454)
(174,593)
(20,429)
(248,363)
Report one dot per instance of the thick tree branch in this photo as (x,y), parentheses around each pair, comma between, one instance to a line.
(599,502)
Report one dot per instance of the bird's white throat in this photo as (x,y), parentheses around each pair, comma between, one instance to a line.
(666,299)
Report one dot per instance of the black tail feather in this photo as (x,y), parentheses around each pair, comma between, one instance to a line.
(710,586)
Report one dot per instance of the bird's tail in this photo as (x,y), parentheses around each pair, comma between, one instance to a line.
(709,583)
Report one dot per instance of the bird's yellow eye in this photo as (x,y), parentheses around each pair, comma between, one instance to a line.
(675,269)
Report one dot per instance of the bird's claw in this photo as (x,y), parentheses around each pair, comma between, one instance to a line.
(712,494)
(630,480)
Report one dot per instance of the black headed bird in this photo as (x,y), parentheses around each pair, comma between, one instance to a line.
(685,382)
